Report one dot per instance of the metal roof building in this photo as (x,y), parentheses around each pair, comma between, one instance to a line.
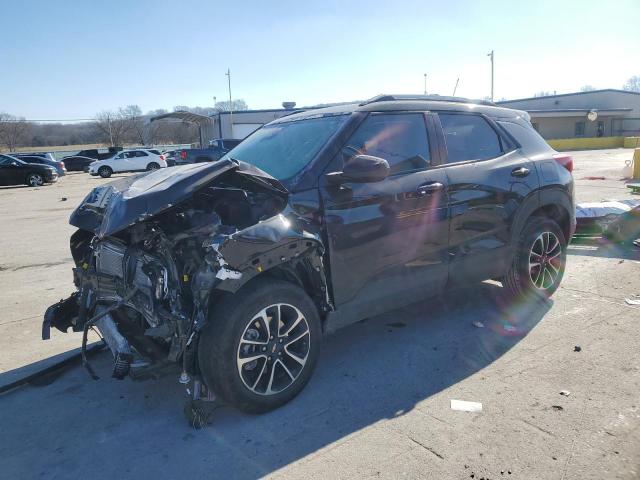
(598,113)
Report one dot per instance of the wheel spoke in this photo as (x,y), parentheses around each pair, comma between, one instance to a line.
(253,342)
(297,338)
(281,363)
(293,325)
(259,377)
(555,245)
(273,370)
(298,359)
(243,360)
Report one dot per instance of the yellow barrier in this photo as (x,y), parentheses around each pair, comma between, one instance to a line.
(586,143)
(636,164)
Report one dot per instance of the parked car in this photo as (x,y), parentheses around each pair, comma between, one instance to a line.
(127,161)
(77,163)
(235,268)
(98,153)
(14,171)
(44,160)
(170,157)
(216,150)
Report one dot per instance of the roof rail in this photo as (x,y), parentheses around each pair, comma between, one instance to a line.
(432,98)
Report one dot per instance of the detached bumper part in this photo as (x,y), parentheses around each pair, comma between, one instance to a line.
(61,315)
(119,346)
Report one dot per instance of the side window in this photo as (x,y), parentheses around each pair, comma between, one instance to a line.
(469,137)
(120,156)
(140,153)
(401,139)
(130,154)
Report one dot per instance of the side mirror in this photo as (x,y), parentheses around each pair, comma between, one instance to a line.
(361,169)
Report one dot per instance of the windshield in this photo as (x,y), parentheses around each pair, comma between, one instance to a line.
(285,148)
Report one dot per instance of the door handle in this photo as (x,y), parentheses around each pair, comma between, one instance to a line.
(520,172)
(429,188)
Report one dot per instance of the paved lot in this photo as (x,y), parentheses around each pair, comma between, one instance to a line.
(378,404)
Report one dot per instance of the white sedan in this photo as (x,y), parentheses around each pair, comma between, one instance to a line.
(127,161)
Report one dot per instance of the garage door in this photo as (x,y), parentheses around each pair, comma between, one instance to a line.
(242,130)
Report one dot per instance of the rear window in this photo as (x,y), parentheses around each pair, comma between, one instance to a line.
(530,140)
(469,137)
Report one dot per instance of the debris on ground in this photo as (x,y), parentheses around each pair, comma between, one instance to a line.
(565,393)
(615,218)
(632,301)
(63,199)
(464,406)
(478,324)
(591,177)
(557,407)
(577,348)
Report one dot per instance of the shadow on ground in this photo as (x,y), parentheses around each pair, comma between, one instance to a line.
(368,372)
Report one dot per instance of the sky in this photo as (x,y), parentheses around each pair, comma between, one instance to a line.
(72,59)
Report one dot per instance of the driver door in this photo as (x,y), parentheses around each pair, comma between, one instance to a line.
(10,171)
(387,240)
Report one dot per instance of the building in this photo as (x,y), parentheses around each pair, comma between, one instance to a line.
(598,113)
(237,125)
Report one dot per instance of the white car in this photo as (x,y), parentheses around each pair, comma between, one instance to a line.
(127,161)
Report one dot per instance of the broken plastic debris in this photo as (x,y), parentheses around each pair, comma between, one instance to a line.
(478,324)
(566,393)
(632,301)
(464,406)
(577,348)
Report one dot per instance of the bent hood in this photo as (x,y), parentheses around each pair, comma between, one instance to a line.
(117,205)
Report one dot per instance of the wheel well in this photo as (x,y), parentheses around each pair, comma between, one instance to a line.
(301,276)
(558,215)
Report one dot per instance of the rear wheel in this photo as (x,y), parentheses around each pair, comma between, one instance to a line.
(261,345)
(105,172)
(35,180)
(539,262)
(153,166)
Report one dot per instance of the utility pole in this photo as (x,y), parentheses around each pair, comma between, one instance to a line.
(425,83)
(228,74)
(456,87)
(491,55)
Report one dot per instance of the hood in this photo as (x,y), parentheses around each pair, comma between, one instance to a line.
(115,206)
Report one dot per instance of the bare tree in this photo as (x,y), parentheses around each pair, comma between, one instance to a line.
(542,93)
(113,126)
(132,114)
(633,84)
(587,88)
(14,131)
(238,105)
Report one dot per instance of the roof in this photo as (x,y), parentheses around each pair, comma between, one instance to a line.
(569,94)
(184,116)
(429,103)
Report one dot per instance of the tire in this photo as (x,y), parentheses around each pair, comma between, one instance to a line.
(153,166)
(34,180)
(105,172)
(261,384)
(525,280)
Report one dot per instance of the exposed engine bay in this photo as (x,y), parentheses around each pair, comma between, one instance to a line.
(153,254)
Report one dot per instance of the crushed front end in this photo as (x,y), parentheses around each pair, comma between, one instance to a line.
(154,252)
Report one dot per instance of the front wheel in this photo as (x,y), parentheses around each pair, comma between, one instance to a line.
(539,262)
(35,180)
(261,345)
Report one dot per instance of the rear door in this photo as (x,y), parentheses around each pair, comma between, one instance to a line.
(142,159)
(488,180)
(387,240)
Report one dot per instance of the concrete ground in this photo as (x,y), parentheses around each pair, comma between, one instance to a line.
(378,404)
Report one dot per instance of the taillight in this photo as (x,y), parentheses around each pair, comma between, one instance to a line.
(565,160)
(161,157)
(61,164)
(183,155)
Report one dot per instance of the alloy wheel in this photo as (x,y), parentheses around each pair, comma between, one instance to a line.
(545,260)
(273,349)
(35,180)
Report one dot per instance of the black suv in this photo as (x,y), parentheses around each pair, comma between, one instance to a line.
(235,269)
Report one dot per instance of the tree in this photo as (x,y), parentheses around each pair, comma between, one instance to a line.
(633,84)
(587,88)
(238,105)
(14,131)
(542,93)
(132,114)
(113,126)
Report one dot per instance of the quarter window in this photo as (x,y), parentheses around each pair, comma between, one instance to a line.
(401,139)
(469,137)
(140,153)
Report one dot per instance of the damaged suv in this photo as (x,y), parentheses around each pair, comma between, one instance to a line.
(235,269)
